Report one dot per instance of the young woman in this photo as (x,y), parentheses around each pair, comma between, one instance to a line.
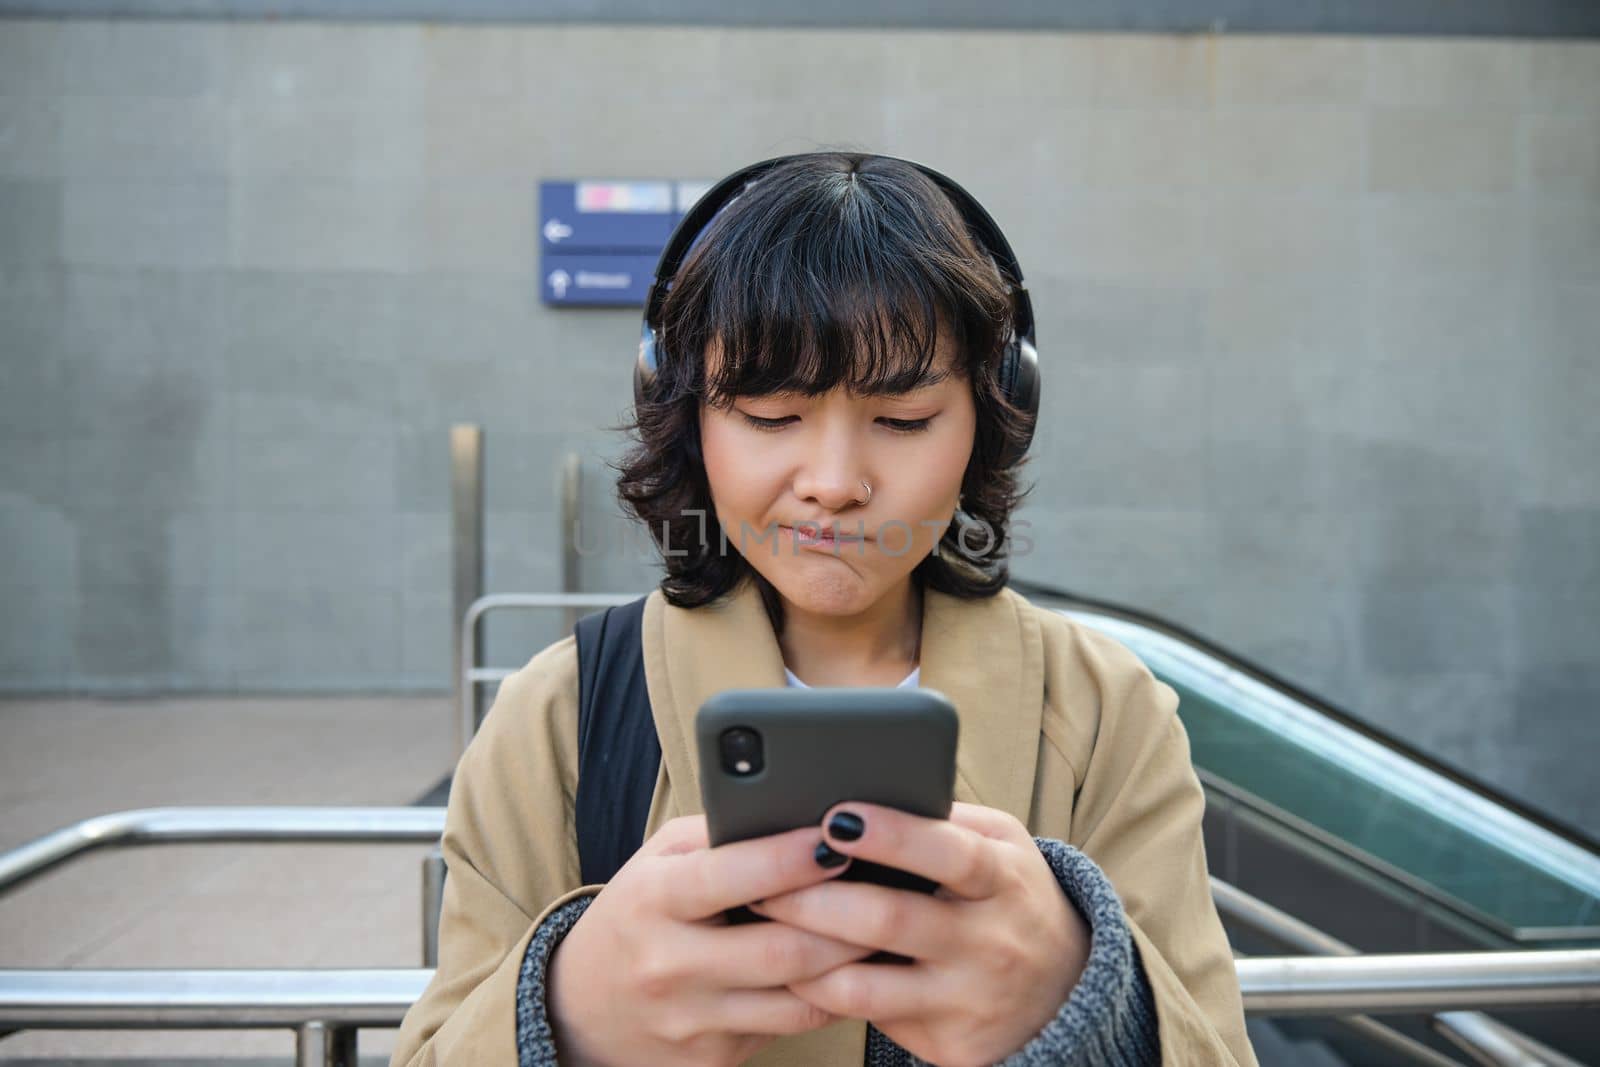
(828,456)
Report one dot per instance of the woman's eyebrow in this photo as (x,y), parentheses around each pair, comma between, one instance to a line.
(899,383)
(910,380)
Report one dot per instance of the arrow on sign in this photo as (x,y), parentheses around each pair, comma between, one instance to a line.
(555,230)
(559,280)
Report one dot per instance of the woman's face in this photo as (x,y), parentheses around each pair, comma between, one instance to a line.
(783,468)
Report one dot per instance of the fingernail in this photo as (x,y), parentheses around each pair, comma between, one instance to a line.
(827,857)
(846,826)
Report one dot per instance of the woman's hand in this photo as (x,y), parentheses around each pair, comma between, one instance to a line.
(996,951)
(651,974)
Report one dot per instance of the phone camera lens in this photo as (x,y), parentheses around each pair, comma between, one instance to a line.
(741,751)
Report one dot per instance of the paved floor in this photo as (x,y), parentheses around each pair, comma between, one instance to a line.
(213,905)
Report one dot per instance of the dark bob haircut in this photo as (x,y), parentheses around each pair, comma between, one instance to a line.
(834,268)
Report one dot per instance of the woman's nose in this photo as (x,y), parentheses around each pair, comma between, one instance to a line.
(834,486)
(829,466)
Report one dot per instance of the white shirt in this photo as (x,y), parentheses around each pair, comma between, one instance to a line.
(911,681)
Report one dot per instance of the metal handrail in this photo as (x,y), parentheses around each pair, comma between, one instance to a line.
(467,550)
(325,1016)
(206,999)
(1487,1040)
(232,825)
(325,1006)
(474,674)
(379,997)
(1412,983)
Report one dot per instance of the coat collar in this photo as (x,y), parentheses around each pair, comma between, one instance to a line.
(986,655)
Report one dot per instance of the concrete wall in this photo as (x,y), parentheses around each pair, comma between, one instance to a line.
(1319,318)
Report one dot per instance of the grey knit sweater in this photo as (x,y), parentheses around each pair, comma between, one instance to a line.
(1109,1020)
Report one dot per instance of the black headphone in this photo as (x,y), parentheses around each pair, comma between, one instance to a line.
(1019,363)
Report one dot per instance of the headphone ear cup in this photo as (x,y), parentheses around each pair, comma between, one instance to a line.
(1019,381)
(645,367)
(1025,377)
(1008,370)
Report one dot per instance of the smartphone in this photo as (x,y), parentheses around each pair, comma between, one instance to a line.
(773,760)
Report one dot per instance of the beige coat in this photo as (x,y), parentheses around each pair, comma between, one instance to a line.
(1060,725)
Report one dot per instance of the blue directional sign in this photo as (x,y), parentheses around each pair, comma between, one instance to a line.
(599,240)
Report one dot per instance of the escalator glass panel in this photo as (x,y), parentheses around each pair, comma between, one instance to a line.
(1535,884)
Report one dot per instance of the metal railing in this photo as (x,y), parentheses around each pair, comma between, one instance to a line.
(474,674)
(466,547)
(230,825)
(1487,1041)
(470,605)
(1419,982)
(242,826)
(325,1007)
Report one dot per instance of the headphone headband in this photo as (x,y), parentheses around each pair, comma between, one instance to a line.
(728,189)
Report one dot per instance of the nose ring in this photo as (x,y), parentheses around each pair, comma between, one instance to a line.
(869,493)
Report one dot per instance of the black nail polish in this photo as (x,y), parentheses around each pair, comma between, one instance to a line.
(846,826)
(827,857)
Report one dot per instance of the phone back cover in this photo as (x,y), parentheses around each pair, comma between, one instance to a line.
(895,747)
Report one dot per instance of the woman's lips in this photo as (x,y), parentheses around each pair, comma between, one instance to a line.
(814,537)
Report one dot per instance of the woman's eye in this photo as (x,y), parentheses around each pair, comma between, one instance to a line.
(897,425)
(908,425)
(765,424)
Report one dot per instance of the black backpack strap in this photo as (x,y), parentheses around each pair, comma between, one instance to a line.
(619,754)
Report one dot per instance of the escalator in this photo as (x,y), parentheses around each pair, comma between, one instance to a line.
(1360,835)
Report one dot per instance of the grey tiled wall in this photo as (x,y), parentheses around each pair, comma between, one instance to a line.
(1319,317)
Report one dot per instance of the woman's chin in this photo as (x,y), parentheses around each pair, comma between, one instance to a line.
(830,590)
